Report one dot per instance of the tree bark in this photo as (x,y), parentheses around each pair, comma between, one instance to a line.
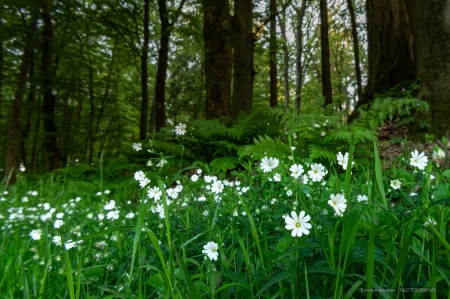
(13,148)
(218,57)
(144,74)
(243,48)
(325,46)
(273,55)
(430,26)
(351,9)
(285,60)
(299,66)
(161,71)
(391,55)
(49,105)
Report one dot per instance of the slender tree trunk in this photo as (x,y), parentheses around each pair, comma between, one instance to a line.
(273,55)
(35,146)
(90,141)
(243,48)
(325,46)
(351,9)
(49,105)
(29,108)
(161,71)
(2,67)
(391,53)
(218,57)
(299,66)
(13,148)
(144,74)
(285,60)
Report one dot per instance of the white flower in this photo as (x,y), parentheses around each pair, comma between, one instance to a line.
(201,198)
(430,221)
(110,205)
(144,182)
(180,129)
(296,170)
(154,193)
(268,164)
(139,175)
(90,215)
(317,172)
(438,153)
(277,177)
(323,134)
(292,148)
(396,184)
(57,240)
(298,224)
(211,250)
(205,213)
(58,223)
(100,217)
(338,203)
(130,215)
(161,162)
(137,146)
(60,215)
(70,244)
(33,193)
(217,187)
(362,198)
(342,160)
(199,171)
(36,234)
(194,177)
(289,193)
(106,192)
(113,215)
(419,161)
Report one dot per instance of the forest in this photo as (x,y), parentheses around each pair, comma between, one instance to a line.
(175,148)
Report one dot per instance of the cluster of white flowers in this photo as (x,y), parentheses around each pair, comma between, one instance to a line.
(137,146)
(141,178)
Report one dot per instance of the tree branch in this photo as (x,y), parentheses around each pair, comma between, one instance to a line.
(271,17)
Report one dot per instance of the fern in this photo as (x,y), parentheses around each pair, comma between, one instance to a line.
(264,146)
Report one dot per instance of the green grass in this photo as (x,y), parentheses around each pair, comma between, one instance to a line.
(136,247)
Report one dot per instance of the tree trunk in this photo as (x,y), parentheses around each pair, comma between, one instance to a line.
(29,108)
(144,74)
(299,65)
(325,46)
(13,148)
(243,47)
(2,67)
(161,71)
(51,145)
(351,9)
(218,57)
(391,56)
(273,55)
(430,25)
(285,60)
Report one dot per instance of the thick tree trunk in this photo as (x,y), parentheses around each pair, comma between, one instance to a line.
(243,48)
(13,148)
(430,25)
(351,9)
(218,57)
(144,74)
(49,105)
(299,66)
(325,46)
(161,71)
(273,55)
(391,55)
